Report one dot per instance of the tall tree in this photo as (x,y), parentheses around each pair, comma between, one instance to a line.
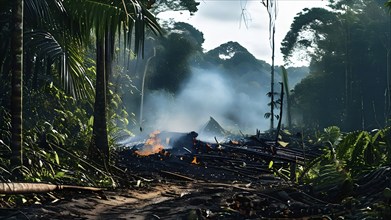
(173,54)
(17,83)
(388,91)
(34,39)
(348,68)
(271,6)
(99,134)
(110,19)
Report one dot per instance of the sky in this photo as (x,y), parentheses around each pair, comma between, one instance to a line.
(244,21)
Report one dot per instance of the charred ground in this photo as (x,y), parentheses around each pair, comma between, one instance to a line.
(244,178)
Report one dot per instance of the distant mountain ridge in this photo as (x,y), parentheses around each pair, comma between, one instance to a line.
(236,60)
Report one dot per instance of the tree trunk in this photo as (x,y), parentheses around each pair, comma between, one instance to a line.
(272,83)
(99,149)
(387,112)
(272,11)
(17,84)
(288,98)
(109,53)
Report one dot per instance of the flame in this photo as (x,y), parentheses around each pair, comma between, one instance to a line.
(235,142)
(152,146)
(194,161)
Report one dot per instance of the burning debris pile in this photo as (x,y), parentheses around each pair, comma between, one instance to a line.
(253,158)
(252,162)
(238,177)
(153,145)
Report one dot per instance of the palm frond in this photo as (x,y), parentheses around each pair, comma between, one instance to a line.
(81,82)
(125,17)
(44,46)
(42,13)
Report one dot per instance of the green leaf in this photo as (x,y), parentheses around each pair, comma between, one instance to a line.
(283,144)
(59,174)
(91,121)
(56,158)
(287,132)
(271,164)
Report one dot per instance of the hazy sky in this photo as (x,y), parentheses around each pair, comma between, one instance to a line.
(244,21)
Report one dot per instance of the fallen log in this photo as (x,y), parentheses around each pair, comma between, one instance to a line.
(23,188)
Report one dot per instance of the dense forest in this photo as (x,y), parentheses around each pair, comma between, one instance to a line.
(349,49)
(78,77)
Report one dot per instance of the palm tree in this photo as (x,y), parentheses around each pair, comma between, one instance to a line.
(109,19)
(99,137)
(44,39)
(17,83)
(55,30)
(52,39)
(49,38)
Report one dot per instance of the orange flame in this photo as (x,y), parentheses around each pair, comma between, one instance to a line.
(194,161)
(152,146)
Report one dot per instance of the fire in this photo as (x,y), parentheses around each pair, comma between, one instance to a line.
(152,146)
(194,161)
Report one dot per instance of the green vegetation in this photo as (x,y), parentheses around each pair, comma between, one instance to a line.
(353,169)
(68,86)
(56,75)
(348,155)
(349,82)
(67,101)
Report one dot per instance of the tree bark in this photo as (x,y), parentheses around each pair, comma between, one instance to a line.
(17,84)
(99,149)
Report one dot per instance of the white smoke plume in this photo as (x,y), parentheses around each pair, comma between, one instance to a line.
(238,105)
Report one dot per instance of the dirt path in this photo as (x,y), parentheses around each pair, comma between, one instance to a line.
(137,203)
(183,200)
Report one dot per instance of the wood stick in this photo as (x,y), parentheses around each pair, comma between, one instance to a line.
(22,188)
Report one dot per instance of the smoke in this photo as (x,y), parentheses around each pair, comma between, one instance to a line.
(237,104)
